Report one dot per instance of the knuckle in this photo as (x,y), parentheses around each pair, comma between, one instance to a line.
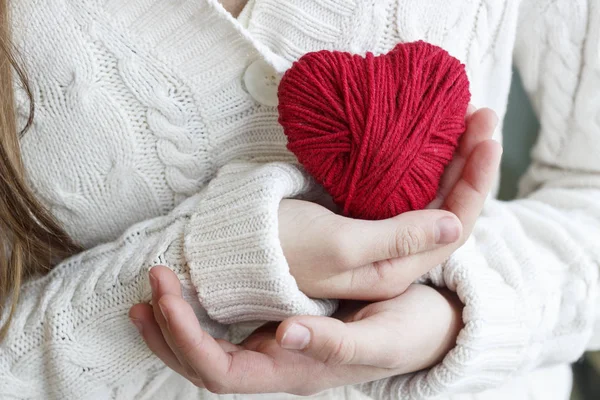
(341,351)
(362,281)
(386,288)
(381,269)
(187,347)
(409,240)
(384,279)
(356,284)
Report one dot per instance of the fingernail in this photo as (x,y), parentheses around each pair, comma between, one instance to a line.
(164,312)
(153,281)
(296,337)
(138,324)
(447,230)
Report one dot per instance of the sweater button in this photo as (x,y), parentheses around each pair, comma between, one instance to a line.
(262,81)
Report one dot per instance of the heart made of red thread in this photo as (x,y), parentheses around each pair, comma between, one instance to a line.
(377,131)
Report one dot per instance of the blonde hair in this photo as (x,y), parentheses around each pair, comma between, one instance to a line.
(31,241)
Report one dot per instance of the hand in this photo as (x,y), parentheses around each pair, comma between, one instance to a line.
(417,329)
(336,353)
(393,337)
(331,256)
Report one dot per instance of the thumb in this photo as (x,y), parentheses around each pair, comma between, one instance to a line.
(363,242)
(334,342)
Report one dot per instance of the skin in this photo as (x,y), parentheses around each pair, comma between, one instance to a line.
(234,7)
(402,333)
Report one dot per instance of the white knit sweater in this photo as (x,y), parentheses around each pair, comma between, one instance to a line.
(153,143)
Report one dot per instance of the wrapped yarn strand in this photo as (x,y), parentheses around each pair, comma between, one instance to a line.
(376,131)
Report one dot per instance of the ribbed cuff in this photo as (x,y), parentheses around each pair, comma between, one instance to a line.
(507,331)
(233,251)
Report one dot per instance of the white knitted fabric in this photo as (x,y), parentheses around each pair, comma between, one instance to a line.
(148,149)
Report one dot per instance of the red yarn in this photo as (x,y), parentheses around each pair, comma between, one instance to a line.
(376,132)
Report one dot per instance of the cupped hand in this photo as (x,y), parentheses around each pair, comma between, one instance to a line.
(331,256)
(304,355)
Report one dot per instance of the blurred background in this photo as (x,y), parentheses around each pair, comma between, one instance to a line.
(520,132)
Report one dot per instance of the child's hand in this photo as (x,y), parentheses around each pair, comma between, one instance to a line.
(393,337)
(408,333)
(331,256)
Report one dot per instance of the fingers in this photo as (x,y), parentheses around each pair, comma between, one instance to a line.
(381,280)
(359,242)
(468,195)
(221,372)
(405,334)
(377,260)
(187,337)
(222,367)
(369,341)
(165,282)
(142,316)
(373,259)
(201,356)
(332,341)
(180,343)
(480,127)
(413,233)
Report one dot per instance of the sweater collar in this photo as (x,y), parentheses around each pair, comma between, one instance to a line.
(242,27)
(207,45)
(282,31)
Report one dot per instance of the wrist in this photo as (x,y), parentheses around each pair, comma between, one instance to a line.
(450,310)
(456,307)
(430,321)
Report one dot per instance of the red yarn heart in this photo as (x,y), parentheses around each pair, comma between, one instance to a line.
(376,132)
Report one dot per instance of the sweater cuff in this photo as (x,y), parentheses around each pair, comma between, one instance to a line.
(507,331)
(233,251)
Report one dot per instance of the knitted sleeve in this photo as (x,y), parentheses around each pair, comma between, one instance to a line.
(528,277)
(71,334)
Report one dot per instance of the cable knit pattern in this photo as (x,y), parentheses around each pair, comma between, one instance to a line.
(555,66)
(149,148)
(71,332)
